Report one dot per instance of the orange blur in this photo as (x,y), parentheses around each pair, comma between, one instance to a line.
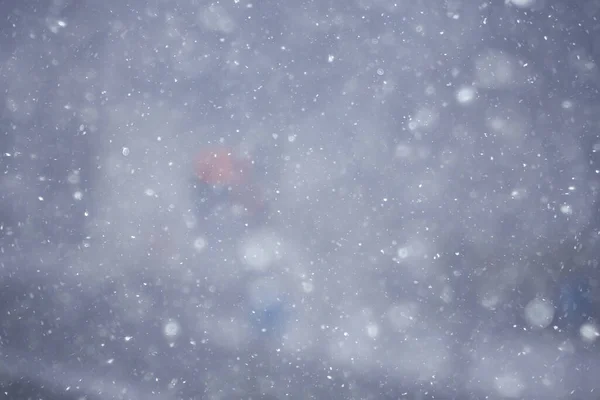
(218,166)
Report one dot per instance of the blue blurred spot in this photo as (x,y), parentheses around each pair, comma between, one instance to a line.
(574,303)
(271,320)
(205,197)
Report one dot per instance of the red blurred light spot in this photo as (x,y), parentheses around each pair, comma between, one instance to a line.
(218,166)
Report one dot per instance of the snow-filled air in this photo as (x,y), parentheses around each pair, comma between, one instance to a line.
(259,199)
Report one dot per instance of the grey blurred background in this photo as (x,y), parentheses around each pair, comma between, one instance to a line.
(429,171)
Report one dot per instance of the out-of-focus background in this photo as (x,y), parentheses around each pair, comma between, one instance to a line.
(360,199)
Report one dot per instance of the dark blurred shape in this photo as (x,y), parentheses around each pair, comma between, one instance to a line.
(575,305)
(25,389)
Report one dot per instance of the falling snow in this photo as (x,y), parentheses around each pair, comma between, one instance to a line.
(281,200)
